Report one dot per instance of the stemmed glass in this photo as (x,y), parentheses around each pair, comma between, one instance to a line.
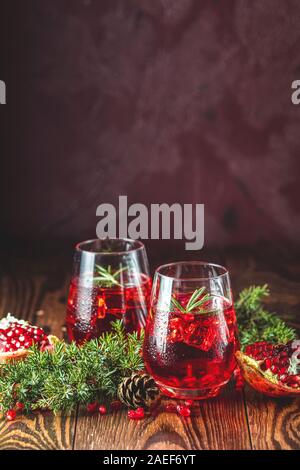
(110,281)
(191,331)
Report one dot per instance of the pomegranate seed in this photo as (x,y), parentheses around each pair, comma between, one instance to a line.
(283,377)
(91,407)
(183,411)
(136,414)
(189,403)
(21,336)
(10,415)
(268,363)
(102,410)
(170,408)
(20,406)
(131,414)
(140,413)
(277,359)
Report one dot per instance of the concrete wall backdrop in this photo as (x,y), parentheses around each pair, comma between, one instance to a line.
(161,100)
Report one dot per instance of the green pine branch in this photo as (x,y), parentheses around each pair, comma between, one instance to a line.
(255,323)
(71,375)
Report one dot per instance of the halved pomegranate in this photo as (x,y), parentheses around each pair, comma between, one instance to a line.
(17,336)
(272,369)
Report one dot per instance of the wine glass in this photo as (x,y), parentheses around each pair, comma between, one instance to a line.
(110,281)
(191,332)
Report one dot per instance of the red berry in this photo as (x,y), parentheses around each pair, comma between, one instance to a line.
(20,406)
(10,415)
(102,410)
(183,411)
(91,407)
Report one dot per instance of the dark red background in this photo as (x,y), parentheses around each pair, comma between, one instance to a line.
(161,100)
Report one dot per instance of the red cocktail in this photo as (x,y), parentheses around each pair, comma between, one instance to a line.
(111,282)
(191,333)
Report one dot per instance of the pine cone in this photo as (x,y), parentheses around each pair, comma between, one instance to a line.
(139,390)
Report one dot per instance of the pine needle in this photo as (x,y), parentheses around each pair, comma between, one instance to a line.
(255,323)
(72,375)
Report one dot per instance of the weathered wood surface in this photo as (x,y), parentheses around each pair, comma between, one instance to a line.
(36,287)
(218,424)
(273,423)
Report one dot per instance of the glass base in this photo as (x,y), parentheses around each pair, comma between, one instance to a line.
(188,393)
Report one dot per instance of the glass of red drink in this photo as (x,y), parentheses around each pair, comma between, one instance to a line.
(191,332)
(110,281)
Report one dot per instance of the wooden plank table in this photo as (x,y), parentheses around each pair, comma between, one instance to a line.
(35,286)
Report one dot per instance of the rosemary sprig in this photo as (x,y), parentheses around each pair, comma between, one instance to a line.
(195,301)
(106,277)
